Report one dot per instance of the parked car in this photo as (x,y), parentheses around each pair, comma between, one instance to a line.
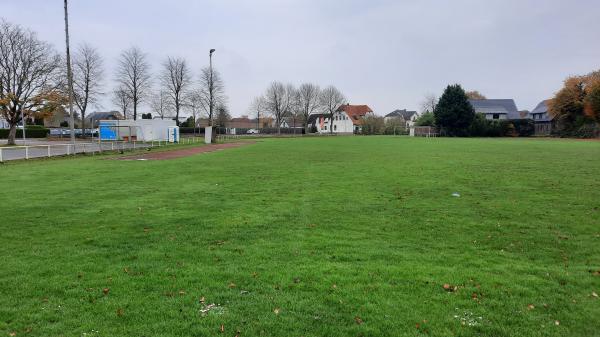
(252,132)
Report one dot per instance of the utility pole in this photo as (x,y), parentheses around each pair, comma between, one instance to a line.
(211,94)
(69,78)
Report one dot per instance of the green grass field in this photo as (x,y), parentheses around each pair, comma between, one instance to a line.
(340,236)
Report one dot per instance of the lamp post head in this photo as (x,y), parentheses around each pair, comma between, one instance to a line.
(211,51)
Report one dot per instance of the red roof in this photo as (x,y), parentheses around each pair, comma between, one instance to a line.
(355,112)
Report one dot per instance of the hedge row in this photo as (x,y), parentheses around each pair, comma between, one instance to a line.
(34,132)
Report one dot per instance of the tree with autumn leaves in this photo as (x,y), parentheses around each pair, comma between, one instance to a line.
(30,76)
(576,107)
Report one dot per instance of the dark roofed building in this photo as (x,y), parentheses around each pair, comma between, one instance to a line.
(406,114)
(94,117)
(496,108)
(409,117)
(242,123)
(544,122)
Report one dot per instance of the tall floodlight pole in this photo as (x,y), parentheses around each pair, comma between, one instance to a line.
(69,78)
(210,86)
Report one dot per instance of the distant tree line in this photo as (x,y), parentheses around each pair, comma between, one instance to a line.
(284,101)
(33,82)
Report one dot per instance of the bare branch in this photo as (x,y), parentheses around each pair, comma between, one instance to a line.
(133,76)
(176,79)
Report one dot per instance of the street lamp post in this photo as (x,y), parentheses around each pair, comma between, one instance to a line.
(211,98)
(210,84)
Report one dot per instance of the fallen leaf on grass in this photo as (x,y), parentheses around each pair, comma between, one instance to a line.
(530,307)
(594,294)
(105,291)
(358,320)
(449,287)
(276,311)
(231,285)
(120,312)
(202,299)
(222,328)
(12,334)
(556,322)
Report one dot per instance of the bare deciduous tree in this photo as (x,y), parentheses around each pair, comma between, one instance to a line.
(160,103)
(120,98)
(29,75)
(331,100)
(278,99)
(133,75)
(308,102)
(429,103)
(257,108)
(212,92)
(176,79)
(193,101)
(223,115)
(88,73)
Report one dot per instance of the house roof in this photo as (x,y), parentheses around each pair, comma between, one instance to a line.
(496,106)
(402,113)
(542,108)
(99,115)
(355,112)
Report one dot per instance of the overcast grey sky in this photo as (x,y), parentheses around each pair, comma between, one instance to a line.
(387,54)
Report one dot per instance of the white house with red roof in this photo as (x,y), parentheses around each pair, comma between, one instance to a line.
(347,119)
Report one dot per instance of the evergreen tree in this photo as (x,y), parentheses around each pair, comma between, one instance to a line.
(453,113)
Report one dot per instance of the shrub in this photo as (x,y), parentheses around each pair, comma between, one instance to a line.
(373,125)
(426,119)
(30,132)
(524,127)
(482,127)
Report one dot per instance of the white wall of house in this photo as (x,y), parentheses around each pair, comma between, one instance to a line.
(4,124)
(491,116)
(341,124)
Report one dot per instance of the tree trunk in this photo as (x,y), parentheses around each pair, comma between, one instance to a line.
(83,124)
(12,134)
(331,124)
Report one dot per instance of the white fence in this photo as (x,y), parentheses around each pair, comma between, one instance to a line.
(51,150)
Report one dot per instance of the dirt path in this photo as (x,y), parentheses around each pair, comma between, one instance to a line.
(164,155)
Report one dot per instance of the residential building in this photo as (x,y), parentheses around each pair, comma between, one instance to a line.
(242,123)
(4,123)
(544,121)
(496,109)
(409,117)
(59,116)
(93,118)
(347,119)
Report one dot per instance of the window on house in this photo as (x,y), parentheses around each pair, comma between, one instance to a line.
(335,128)
(496,116)
(324,127)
